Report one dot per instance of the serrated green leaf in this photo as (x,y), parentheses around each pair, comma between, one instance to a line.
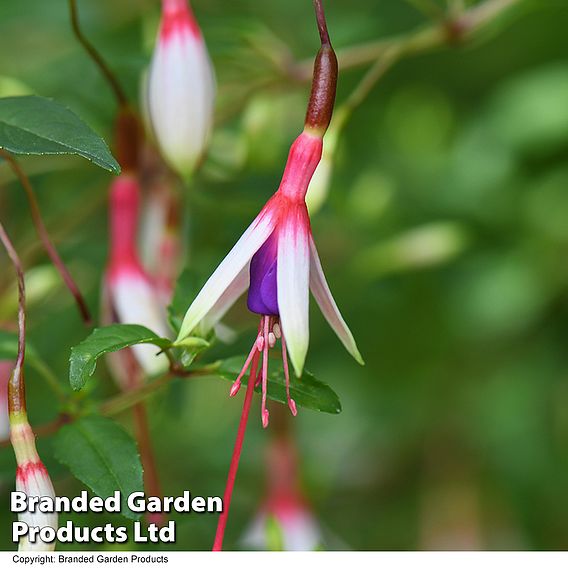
(102,455)
(83,359)
(36,125)
(307,391)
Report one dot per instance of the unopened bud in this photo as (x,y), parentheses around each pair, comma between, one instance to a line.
(181,88)
(33,480)
(322,96)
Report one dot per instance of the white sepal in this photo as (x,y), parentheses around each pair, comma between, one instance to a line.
(226,273)
(293,284)
(322,294)
(135,301)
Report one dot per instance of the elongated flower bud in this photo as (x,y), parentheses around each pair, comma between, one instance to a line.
(33,480)
(130,293)
(181,88)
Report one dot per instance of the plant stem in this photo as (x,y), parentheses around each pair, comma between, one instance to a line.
(151,479)
(426,39)
(221,525)
(96,57)
(322,24)
(16,385)
(45,238)
(428,8)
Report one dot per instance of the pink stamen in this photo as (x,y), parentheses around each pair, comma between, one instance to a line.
(237,384)
(260,340)
(271,340)
(291,401)
(264,412)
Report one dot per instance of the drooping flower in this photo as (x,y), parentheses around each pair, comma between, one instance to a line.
(129,295)
(285,520)
(181,88)
(33,480)
(276,258)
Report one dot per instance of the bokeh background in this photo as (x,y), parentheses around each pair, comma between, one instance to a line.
(444,239)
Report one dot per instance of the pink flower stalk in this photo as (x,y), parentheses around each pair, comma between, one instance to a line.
(276,258)
(129,294)
(181,88)
(284,504)
(32,479)
(5,372)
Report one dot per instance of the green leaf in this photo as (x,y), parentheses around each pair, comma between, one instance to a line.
(307,391)
(36,125)
(83,359)
(102,455)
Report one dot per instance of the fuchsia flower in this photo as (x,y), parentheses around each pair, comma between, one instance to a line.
(276,258)
(129,295)
(181,88)
(284,504)
(33,480)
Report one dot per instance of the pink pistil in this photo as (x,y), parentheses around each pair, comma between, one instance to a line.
(220,533)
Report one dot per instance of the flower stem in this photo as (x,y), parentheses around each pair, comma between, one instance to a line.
(96,56)
(16,385)
(45,239)
(219,535)
(322,24)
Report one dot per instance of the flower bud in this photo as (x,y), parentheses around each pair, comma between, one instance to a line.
(130,295)
(33,480)
(181,88)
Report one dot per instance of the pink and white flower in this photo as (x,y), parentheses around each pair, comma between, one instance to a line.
(181,88)
(284,505)
(33,480)
(277,260)
(129,294)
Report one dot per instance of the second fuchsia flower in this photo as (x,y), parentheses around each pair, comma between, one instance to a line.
(181,88)
(129,295)
(276,258)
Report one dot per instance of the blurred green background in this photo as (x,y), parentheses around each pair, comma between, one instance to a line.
(444,239)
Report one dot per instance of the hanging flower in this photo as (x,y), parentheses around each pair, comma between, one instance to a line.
(181,88)
(285,520)
(129,295)
(276,258)
(33,480)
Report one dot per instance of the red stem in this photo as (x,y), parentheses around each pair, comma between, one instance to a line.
(218,544)
(16,385)
(45,238)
